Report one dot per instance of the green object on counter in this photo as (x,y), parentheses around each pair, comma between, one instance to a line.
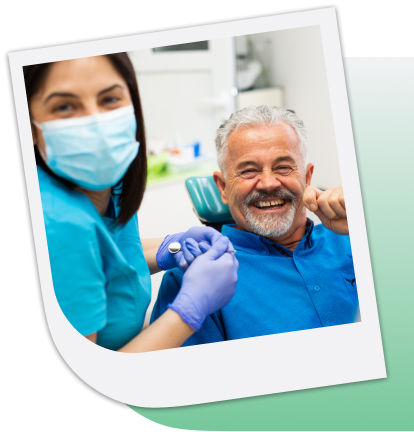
(157,166)
(206,200)
(159,171)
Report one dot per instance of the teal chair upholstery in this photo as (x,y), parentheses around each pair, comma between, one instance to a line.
(207,204)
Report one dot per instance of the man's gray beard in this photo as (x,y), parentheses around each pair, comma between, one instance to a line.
(270,225)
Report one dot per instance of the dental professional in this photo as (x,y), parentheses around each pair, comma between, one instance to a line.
(89,142)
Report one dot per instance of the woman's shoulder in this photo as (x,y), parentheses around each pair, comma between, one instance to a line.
(62,205)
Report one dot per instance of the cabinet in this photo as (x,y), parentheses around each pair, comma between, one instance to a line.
(267,96)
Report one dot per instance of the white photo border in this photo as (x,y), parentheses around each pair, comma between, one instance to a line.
(239,368)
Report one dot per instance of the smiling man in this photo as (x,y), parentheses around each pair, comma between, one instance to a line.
(292,275)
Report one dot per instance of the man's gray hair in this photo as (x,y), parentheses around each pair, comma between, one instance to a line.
(262,115)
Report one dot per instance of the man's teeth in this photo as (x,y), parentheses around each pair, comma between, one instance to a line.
(269,203)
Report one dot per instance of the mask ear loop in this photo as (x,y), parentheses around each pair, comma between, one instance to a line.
(39,126)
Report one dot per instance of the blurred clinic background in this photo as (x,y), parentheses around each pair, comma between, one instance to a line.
(188,90)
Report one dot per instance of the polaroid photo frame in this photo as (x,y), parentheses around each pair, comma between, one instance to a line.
(239,368)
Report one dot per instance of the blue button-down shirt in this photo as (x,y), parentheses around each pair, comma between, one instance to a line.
(279,290)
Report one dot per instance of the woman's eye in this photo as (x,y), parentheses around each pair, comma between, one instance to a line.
(110,100)
(63,108)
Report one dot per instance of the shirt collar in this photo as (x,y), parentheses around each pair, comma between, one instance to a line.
(253,243)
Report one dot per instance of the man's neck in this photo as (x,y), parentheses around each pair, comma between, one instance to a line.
(295,234)
(293,237)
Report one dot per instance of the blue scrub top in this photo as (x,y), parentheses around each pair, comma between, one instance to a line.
(279,290)
(101,279)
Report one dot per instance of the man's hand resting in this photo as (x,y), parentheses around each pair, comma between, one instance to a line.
(329,206)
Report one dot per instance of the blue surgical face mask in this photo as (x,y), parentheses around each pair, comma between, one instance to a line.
(94,151)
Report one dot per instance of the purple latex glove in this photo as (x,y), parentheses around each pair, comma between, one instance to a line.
(192,249)
(208,284)
(167,260)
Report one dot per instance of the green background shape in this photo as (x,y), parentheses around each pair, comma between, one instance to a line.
(381,97)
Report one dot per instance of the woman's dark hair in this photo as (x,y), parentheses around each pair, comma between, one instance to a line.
(130,189)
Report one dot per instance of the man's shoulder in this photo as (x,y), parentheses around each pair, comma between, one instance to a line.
(172,277)
(169,288)
(320,233)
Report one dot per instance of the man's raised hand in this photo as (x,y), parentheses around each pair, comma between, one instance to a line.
(329,206)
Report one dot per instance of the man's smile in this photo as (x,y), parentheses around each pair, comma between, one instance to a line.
(276,202)
(269,204)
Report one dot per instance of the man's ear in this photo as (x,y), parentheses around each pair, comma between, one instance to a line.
(221,184)
(309,173)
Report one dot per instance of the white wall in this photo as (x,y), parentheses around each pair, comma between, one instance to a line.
(296,63)
(186,95)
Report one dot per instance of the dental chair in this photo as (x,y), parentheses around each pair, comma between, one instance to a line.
(206,200)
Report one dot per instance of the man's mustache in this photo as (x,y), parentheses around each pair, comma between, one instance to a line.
(277,193)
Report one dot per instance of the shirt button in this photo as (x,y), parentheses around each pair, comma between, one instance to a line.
(316,288)
(264,253)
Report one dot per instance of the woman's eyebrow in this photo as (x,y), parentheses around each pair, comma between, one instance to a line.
(65,94)
(59,94)
(110,88)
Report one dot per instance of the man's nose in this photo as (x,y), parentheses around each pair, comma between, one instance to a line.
(268,181)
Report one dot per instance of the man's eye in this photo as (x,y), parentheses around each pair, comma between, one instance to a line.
(284,170)
(249,173)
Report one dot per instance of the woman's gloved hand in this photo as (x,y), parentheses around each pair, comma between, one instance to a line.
(192,249)
(167,260)
(208,284)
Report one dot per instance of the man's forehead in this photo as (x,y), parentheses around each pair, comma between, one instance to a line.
(259,139)
(281,130)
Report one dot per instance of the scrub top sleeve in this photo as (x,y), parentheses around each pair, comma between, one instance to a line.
(78,276)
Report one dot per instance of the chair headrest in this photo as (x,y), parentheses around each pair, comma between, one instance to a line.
(206,200)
